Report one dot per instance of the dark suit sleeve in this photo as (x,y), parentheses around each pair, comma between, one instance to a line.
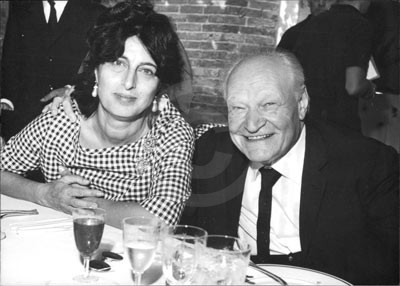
(359,48)
(11,57)
(201,155)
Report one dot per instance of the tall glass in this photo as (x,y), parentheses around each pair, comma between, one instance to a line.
(180,252)
(223,261)
(141,235)
(88,230)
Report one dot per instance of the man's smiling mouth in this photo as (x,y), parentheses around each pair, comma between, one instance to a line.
(258,137)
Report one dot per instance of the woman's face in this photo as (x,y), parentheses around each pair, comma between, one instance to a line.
(127,87)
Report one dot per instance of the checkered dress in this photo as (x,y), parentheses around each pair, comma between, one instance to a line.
(155,171)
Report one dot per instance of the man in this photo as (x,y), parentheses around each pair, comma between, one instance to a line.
(334,206)
(334,49)
(44,45)
(289,38)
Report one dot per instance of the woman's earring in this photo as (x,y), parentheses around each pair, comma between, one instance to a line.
(154,108)
(95,87)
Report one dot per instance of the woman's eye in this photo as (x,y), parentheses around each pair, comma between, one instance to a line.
(147,71)
(118,63)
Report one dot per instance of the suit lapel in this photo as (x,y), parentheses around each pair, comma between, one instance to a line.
(71,12)
(36,14)
(313,185)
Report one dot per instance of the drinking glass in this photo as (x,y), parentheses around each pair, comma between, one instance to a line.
(88,230)
(141,235)
(180,251)
(223,261)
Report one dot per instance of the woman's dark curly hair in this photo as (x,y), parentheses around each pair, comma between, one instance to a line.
(107,42)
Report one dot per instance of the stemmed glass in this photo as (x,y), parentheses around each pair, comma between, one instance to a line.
(141,236)
(88,230)
(180,252)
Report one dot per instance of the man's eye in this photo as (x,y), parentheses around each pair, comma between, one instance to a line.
(268,104)
(237,108)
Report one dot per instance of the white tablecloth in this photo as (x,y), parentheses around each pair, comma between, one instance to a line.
(50,257)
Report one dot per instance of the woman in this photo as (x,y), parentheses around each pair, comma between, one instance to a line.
(122,153)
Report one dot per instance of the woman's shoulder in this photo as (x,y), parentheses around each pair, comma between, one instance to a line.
(61,120)
(170,121)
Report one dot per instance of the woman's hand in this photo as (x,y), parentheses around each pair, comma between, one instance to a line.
(69,193)
(60,95)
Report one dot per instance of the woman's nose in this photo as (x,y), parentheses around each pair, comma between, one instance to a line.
(130,79)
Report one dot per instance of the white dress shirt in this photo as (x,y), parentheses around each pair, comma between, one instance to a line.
(59,6)
(285,208)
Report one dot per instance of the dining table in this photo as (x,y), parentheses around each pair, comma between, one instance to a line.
(39,249)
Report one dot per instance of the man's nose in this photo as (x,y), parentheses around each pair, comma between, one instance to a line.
(254,121)
(130,79)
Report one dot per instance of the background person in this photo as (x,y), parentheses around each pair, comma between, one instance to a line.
(334,49)
(290,36)
(38,57)
(334,203)
(122,146)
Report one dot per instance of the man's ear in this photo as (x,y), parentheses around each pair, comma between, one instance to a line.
(303,103)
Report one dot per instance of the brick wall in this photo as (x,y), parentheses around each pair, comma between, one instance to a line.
(215,35)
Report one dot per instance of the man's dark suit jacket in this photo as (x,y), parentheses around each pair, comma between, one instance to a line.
(349,208)
(33,63)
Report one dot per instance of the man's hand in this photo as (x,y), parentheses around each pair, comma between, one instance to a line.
(60,95)
(69,193)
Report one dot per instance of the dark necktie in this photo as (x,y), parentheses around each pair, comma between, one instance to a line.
(268,180)
(53,17)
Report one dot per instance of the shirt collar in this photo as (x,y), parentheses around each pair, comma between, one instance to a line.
(291,165)
(59,6)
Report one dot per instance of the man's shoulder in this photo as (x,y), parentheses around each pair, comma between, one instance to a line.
(215,141)
(213,137)
(343,142)
(88,9)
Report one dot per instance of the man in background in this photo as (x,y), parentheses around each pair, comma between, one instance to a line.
(334,49)
(290,36)
(43,48)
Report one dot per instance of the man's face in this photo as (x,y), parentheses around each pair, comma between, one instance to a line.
(263,112)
